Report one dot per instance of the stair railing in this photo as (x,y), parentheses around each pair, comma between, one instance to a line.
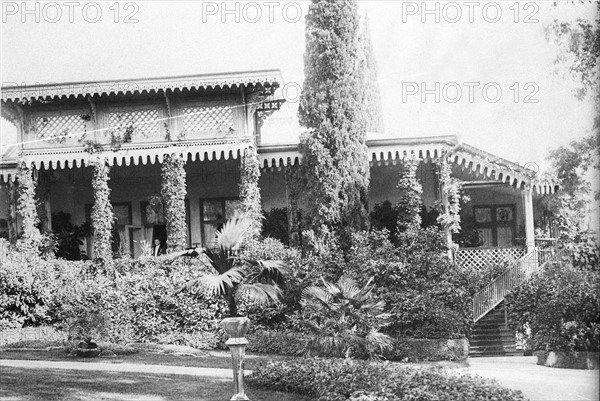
(492,294)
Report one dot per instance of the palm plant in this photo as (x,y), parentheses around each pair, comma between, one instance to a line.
(233,277)
(345,318)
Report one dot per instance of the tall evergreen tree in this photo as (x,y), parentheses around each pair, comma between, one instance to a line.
(372,97)
(336,166)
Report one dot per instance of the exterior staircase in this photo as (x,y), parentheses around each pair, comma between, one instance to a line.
(491,335)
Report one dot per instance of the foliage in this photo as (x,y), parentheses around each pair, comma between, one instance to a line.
(102,212)
(384,216)
(294,343)
(27,208)
(451,187)
(335,161)
(68,236)
(336,379)
(579,51)
(280,316)
(275,224)
(139,304)
(409,205)
(173,190)
(345,318)
(234,277)
(560,306)
(585,252)
(371,98)
(250,191)
(24,292)
(428,295)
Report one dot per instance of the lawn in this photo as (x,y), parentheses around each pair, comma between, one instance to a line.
(213,359)
(47,385)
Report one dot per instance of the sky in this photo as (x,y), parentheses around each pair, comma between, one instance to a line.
(482,71)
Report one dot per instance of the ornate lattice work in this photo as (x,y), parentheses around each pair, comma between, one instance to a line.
(205,119)
(143,122)
(57,127)
(477,258)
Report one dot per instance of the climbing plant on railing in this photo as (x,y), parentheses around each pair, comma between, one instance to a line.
(102,212)
(409,205)
(249,190)
(27,208)
(449,217)
(173,190)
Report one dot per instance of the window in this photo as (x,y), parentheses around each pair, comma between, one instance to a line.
(496,224)
(213,213)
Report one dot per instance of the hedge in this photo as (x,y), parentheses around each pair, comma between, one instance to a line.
(343,379)
(404,349)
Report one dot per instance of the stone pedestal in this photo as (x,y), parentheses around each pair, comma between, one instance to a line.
(237,327)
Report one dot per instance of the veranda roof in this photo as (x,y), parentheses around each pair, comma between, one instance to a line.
(262,78)
(394,150)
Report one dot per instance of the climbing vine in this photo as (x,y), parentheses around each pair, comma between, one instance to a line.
(410,202)
(249,189)
(173,190)
(102,212)
(31,239)
(449,217)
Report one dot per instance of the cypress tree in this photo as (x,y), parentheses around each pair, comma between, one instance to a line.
(372,97)
(335,162)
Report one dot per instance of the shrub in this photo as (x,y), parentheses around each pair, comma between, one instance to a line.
(344,318)
(427,294)
(27,287)
(337,379)
(277,342)
(560,306)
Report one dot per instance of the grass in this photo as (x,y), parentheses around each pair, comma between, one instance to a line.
(18,384)
(214,359)
(72,385)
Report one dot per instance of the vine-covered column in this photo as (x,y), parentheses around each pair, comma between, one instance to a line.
(249,189)
(173,191)
(292,188)
(102,212)
(27,208)
(410,202)
(12,212)
(451,193)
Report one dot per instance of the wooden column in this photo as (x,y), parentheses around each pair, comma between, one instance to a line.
(527,195)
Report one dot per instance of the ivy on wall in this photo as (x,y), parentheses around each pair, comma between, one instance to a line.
(410,203)
(173,190)
(30,241)
(449,217)
(102,212)
(250,191)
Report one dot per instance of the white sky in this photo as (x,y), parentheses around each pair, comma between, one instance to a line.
(171,38)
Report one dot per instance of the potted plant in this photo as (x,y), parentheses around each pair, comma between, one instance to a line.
(234,277)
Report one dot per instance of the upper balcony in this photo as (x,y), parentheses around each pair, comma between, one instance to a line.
(138,113)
